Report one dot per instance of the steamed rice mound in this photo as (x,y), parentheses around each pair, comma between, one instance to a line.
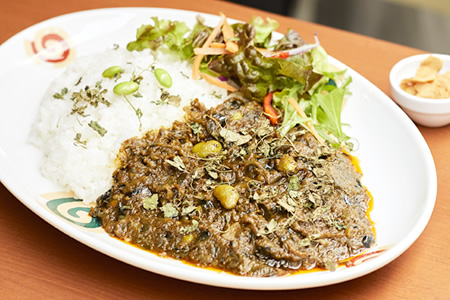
(76,156)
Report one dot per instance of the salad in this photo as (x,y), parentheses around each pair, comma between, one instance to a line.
(291,78)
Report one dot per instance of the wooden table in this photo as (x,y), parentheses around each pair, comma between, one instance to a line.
(38,261)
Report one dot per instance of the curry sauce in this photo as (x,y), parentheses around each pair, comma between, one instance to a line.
(293,203)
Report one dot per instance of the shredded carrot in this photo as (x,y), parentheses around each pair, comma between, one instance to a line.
(198,59)
(217,45)
(196,67)
(215,31)
(228,36)
(232,46)
(302,114)
(215,81)
(227,31)
(210,51)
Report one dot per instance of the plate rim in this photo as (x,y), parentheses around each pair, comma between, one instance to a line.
(248,283)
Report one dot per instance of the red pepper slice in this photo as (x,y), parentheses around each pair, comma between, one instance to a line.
(281,54)
(269,110)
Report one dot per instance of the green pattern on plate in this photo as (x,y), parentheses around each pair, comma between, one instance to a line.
(76,207)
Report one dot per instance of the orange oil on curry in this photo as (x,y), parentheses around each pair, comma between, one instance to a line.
(356,163)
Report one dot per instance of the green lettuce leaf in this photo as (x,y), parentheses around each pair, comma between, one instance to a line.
(329,112)
(171,34)
(263,29)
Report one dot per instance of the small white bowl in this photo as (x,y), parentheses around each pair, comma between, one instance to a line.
(423,111)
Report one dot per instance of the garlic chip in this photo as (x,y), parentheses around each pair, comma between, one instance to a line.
(428,83)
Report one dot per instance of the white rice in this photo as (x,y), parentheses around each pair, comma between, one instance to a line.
(86,171)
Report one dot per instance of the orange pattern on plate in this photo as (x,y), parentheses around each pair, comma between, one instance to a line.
(51,45)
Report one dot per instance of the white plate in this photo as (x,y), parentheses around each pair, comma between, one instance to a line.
(397,164)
